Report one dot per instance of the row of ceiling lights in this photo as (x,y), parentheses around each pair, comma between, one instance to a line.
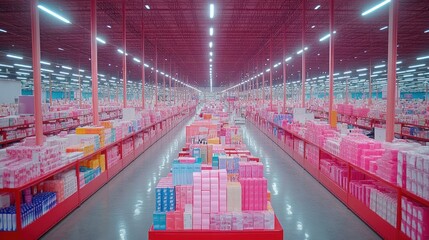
(99,39)
(211,33)
(327,36)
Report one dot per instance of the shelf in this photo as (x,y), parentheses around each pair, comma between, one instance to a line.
(312,169)
(379,225)
(333,187)
(414,137)
(90,188)
(275,234)
(113,170)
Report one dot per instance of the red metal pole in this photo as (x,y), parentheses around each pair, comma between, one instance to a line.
(35,37)
(263,85)
(284,70)
(50,89)
(271,74)
(391,70)
(303,54)
(163,83)
(143,70)
(124,57)
(169,79)
(156,74)
(94,63)
(331,61)
(370,84)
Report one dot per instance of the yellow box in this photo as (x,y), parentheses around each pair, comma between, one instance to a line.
(103,162)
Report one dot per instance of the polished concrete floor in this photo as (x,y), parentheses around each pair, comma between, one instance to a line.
(123,208)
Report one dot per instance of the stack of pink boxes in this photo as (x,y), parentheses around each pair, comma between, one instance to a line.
(253,187)
(312,154)
(415,220)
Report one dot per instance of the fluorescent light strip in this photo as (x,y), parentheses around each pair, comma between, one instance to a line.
(21,78)
(65,73)
(361,70)
(81,70)
(380,66)
(427,31)
(422,58)
(210,44)
(211,13)
(2,30)
(22,73)
(6,66)
(211,31)
(52,13)
(66,67)
(147,7)
(348,72)
(300,51)
(22,65)
(288,59)
(137,60)
(101,40)
(45,63)
(317,7)
(416,66)
(383,28)
(14,56)
(326,36)
(375,7)
(46,70)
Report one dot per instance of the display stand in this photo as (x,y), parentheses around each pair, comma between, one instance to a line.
(275,234)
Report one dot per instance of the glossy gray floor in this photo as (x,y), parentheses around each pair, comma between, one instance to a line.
(123,208)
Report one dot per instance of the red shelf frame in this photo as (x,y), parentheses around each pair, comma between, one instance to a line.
(275,234)
(40,226)
(382,227)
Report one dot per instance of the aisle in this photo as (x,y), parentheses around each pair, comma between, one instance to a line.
(304,207)
(123,208)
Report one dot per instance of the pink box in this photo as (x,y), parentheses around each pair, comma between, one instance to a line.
(205,221)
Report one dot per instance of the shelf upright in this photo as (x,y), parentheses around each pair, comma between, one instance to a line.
(94,63)
(303,68)
(331,62)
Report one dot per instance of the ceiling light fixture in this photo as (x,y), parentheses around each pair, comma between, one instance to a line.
(300,51)
(211,31)
(54,14)
(422,58)
(317,7)
(14,56)
(137,60)
(313,26)
(46,70)
(108,26)
(45,63)
(375,7)
(211,10)
(326,36)
(380,66)
(427,31)
(348,72)
(361,70)
(2,30)
(61,49)
(383,28)
(211,53)
(22,65)
(65,67)
(416,66)
(5,65)
(100,40)
(147,7)
(210,44)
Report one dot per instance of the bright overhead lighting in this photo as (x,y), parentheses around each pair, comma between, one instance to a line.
(25,70)
(300,51)
(313,26)
(81,70)
(210,44)
(288,59)
(45,63)
(427,31)
(136,60)
(52,13)
(5,65)
(46,70)
(416,66)
(14,56)
(361,70)
(326,36)
(61,49)
(363,74)
(22,65)
(120,51)
(100,40)
(380,66)
(408,75)
(335,74)
(375,7)
(147,7)
(3,76)
(146,65)
(317,7)
(2,30)
(211,10)
(22,73)
(108,26)
(211,53)
(60,78)
(76,75)
(211,31)
(421,58)
(66,73)
(21,78)
(210,60)
(383,28)
(348,72)
(65,67)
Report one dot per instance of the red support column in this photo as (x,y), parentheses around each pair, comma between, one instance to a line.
(124,57)
(35,37)
(169,79)
(156,72)
(331,60)
(271,74)
(391,70)
(284,70)
(263,85)
(370,84)
(303,54)
(94,63)
(163,83)
(50,89)
(143,70)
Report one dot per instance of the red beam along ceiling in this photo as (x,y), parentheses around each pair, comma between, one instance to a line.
(242,32)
